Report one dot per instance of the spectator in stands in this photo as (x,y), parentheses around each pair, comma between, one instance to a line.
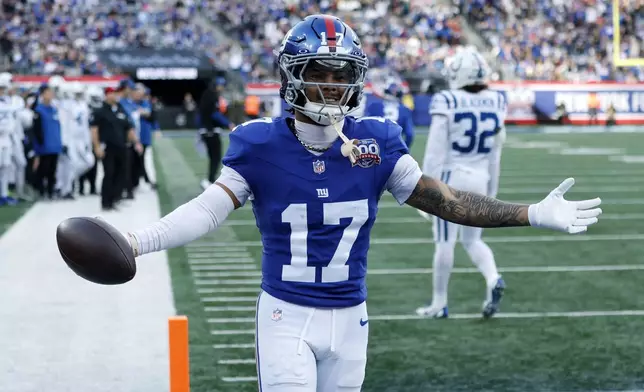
(559,40)
(47,142)
(593,108)
(610,116)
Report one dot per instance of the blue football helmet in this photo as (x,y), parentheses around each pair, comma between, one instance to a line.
(393,91)
(322,44)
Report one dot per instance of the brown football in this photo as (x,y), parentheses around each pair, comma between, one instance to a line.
(96,250)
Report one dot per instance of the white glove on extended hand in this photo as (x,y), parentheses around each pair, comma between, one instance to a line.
(555,212)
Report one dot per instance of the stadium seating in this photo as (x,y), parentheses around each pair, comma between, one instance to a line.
(525,37)
(395,34)
(558,40)
(38,38)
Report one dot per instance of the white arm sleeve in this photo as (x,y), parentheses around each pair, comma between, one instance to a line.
(436,148)
(404,178)
(195,218)
(495,165)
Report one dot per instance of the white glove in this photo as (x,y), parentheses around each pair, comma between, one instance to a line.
(555,212)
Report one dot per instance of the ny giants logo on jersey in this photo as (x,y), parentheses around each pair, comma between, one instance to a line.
(369,153)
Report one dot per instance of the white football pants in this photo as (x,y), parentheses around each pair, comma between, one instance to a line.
(446,234)
(19,166)
(71,166)
(303,349)
(6,168)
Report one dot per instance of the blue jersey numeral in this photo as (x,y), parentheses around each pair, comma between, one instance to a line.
(337,270)
(476,140)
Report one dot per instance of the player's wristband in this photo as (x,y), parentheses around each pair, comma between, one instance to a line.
(533,210)
(134,244)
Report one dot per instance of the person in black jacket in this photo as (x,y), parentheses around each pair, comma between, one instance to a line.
(112,131)
(212,118)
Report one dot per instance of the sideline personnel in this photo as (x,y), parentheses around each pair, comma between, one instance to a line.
(210,118)
(112,130)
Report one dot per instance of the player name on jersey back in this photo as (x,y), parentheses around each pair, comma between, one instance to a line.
(314,212)
(473,120)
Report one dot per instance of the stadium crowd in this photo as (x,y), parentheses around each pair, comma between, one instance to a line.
(536,39)
(397,34)
(62,37)
(567,40)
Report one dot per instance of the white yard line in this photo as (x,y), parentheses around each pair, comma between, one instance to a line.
(229,299)
(571,268)
(519,315)
(227,290)
(468,316)
(489,239)
(224,267)
(229,308)
(215,261)
(233,332)
(249,361)
(231,320)
(239,379)
(227,274)
(393,204)
(411,271)
(227,282)
(234,345)
(418,219)
(210,254)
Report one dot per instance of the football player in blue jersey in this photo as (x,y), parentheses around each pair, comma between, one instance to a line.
(392,108)
(314,182)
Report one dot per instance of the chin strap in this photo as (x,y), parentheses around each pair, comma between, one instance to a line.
(349,148)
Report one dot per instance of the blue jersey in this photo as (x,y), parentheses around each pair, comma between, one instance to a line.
(397,112)
(315,213)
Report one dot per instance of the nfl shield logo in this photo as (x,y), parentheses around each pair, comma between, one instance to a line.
(318,167)
(277,315)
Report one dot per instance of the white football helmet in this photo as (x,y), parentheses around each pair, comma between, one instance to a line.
(77,90)
(6,79)
(467,67)
(95,95)
(55,83)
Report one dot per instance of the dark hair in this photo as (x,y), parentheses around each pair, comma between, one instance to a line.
(475,88)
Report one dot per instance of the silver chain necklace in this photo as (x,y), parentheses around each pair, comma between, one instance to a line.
(308,146)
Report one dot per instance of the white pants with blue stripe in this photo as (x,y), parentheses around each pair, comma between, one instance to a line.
(462,179)
(304,349)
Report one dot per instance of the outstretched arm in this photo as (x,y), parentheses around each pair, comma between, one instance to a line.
(195,218)
(471,209)
(466,208)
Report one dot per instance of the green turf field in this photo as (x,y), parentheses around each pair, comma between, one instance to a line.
(8,215)
(571,319)
(574,308)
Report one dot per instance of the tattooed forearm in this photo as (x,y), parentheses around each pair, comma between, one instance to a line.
(466,208)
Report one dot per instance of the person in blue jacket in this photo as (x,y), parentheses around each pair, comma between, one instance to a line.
(210,120)
(392,108)
(127,90)
(47,143)
(147,127)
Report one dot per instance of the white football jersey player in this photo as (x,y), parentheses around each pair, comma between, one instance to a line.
(464,151)
(8,125)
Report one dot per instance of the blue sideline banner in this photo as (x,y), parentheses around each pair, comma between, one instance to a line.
(525,101)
